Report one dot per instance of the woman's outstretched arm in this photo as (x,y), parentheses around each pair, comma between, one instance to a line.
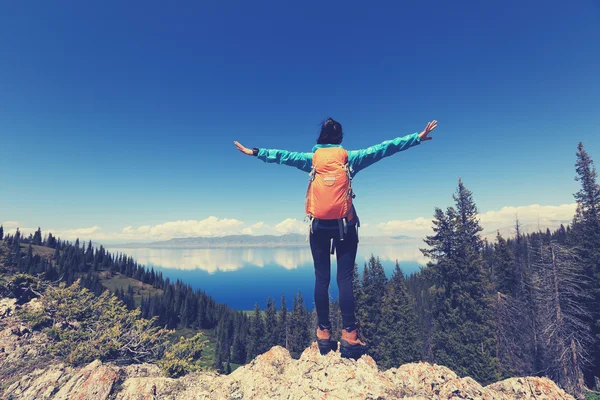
(361,159)
(302,161)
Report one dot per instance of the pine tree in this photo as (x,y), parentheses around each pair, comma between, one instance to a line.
(37,237)
(16,243)
(51,241)
(504,271)
(585,237)
(463,337)
(282,323)
(256,340)
(271,328)
(564,323)
(29,259)
(218,361)
(358,294)
(56,256)
(419,286)
(1,232)
(89,253)
(373,286)
(240,335)
(336,320)
(399,337)
(298,328)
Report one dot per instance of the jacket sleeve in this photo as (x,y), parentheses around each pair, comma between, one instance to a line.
(302,161)
(361,159)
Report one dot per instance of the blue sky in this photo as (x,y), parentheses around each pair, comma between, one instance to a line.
(123,114)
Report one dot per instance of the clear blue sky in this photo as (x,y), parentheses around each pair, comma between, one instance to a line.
(123,113)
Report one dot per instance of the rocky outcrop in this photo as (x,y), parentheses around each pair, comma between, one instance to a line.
(27,372)
(275,375)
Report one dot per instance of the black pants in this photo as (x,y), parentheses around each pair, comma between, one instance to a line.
(345,250)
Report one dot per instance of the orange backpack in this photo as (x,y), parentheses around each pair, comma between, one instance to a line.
(329,194)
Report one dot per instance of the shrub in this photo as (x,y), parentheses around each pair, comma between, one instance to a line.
(23,287)
(84,327)
(34,314)
(592,396)
(183,357)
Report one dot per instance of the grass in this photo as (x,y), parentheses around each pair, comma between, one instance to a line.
(208,354)
(42,251)
(114,280)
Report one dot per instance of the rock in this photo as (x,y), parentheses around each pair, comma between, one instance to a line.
(529,388)
(60,382)
(143,382)
(6,307)
(275,375)
(21,351)
(143,388)
(95,381)
(40,384)
(23,330)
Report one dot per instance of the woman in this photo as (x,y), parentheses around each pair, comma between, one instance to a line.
(339,227)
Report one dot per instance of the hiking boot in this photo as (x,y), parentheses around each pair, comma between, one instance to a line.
(351,345)
(324,341)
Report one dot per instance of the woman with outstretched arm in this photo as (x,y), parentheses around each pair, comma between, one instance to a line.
(333,218)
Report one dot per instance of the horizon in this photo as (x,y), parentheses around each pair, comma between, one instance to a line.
(527,225)
(126,134)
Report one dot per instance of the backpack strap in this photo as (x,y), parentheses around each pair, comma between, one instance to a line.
(313,223)
(343,226)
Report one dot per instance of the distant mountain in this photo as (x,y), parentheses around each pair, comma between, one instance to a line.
(290,239)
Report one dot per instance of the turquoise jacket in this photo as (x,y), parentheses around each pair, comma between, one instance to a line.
(357,159)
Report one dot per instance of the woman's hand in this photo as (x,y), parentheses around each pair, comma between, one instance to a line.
(244,150)
(430,126)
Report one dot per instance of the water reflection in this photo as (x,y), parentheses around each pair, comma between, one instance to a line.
(235,258)
(220,259)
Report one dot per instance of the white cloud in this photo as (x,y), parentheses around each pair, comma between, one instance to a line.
(255,229)
(81,232)
(211,226)
(531,217)
(528,214)
(291,225)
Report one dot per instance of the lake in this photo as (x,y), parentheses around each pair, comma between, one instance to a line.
(242,276)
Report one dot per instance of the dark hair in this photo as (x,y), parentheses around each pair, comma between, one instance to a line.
(331,132)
